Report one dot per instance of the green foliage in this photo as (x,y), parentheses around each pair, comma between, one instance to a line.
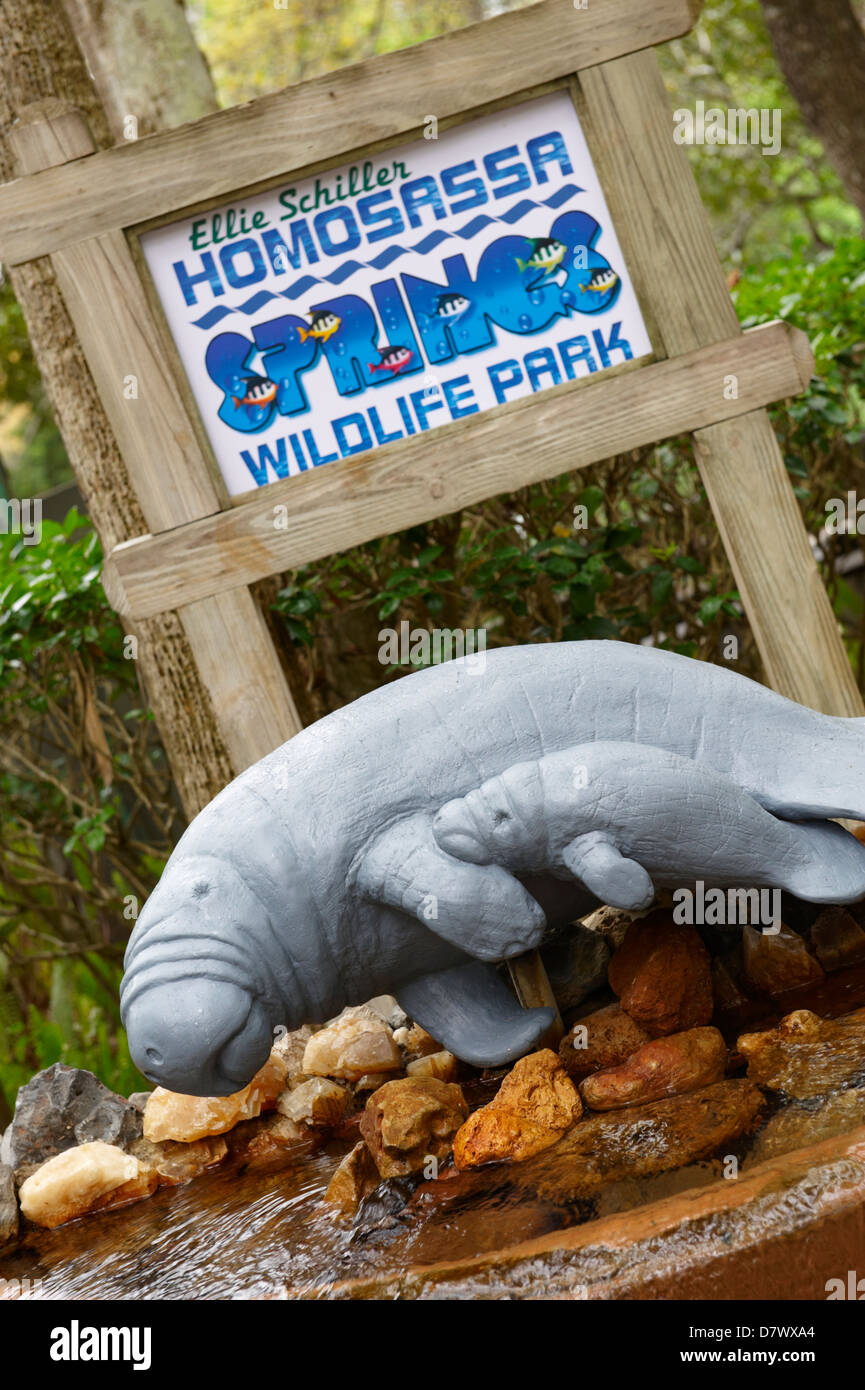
(89,814)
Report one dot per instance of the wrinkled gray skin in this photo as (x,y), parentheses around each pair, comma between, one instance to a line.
(315,878)
(591,813)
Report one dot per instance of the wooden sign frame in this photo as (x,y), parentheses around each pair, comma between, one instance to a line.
(84,209)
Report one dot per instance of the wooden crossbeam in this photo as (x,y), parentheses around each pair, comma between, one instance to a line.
(343,504)
(321,121)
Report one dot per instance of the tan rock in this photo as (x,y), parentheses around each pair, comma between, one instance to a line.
(599,1041)
(416,1041)
(356,1042)
(318,1101)
(667,1066)
(661,973)
(387,1008)
(291,1047)
(611,923)
(441,1065)
(533,1107)
(371,1080)
(176,1163)
(270,1141)
(838,939)
(87,1178)
(408,1121)
(807,1056)
(353,1180)
(169,1115)
(777,961)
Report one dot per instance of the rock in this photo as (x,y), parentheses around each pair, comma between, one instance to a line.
(665,1067)
(269,1141)
(599,1041)
(8,1207)
(838,939)
(617,1146)
(318,1101)
(139,1099)
(355,1043)
(87,1178)
(799,1126)
(176,1163)
(441,1065)
(576,964)
(806,1056)
(611,923)
(372,1080)
(169,1115)
(62,1107)
(355,1178)
(291,1047)
(533,1107)
(416,1041)
(407,1121)
(661,973)
(777,961)
(726,994)
(388,1010)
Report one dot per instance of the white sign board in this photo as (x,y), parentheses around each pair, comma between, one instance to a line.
(328,316)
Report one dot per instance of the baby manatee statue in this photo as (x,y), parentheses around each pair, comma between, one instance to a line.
(319,877)
(625,821)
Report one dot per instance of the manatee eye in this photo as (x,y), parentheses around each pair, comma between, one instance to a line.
(200,890)
(500,816)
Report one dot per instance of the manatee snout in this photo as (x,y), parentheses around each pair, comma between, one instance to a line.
(201,1037)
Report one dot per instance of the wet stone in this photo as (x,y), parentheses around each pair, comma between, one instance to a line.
(407,1122)
(61,1107)
(169,1115)
(668,1066)
(777,961)
(535,1104)
(599,1041)
(837,939)
(8,1208)
(89,1177)
(806,1056)
(661,974)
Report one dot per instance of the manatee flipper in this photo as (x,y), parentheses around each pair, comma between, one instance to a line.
(470,1011)
(595,860)
(483,910)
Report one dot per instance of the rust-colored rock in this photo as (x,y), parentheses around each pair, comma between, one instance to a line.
(668,1066)
(353,1045)
(353,1180)
(89,1177)
(778,961)
(534,1105)
(661,973)
(599,1041)
(807,1056)
(169,1115)
(176,1163)
(837,939)
(408,1121)
(270,1140)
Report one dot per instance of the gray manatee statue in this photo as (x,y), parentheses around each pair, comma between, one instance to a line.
(317,877)
(625,821)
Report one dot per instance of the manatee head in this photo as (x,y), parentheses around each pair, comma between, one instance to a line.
(207,975)
(202,1036)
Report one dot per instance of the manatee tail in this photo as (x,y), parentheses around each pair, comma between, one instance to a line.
(832,865)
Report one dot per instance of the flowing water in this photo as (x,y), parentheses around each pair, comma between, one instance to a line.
(266,1233)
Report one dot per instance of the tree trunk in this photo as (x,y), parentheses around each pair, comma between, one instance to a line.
(820,47)
(40,60)
(145,63)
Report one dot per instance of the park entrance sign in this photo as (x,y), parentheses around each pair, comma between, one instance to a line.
(311,324)
(323,318)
